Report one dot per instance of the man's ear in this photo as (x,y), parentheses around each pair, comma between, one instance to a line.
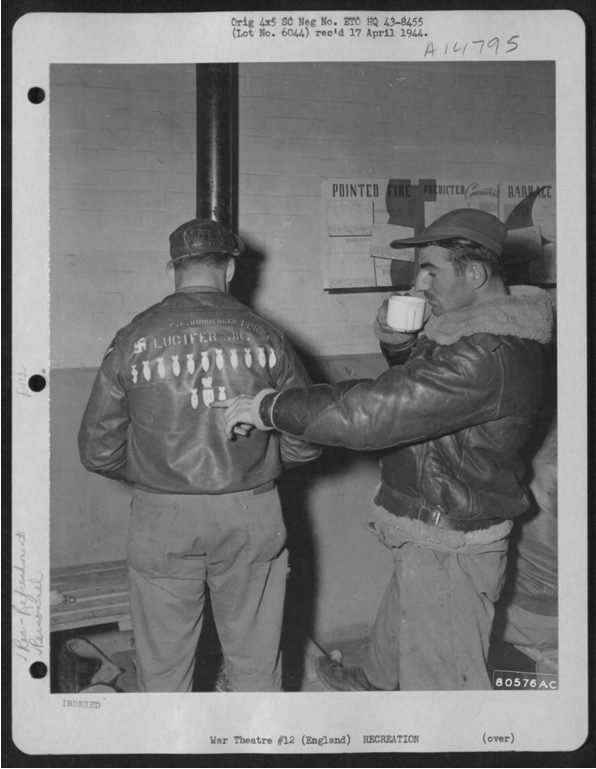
(170,271)
(230,269)
(477,274)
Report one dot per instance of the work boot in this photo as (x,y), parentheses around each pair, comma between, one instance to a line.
(337,678)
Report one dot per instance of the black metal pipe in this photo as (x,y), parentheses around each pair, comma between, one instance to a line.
(217,142)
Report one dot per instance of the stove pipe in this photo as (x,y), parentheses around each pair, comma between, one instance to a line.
(217,142)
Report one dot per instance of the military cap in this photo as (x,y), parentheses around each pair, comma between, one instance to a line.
(203,236)
(470,223)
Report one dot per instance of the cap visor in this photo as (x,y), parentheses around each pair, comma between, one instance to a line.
(407,242)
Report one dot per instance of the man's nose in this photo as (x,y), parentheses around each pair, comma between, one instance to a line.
(422,282)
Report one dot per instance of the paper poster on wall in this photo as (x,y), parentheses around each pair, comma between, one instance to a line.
(349,220)
(528,209)
(410,205)
(349,217)
(363,216)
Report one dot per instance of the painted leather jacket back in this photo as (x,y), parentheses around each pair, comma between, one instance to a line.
(148,418)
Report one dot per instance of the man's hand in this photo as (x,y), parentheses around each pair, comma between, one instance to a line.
(387,334)
(238,417)
(382,318)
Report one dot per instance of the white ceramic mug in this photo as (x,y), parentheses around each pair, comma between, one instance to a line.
(405,313)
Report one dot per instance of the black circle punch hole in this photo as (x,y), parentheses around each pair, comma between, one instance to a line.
(38,670)
(36,383)
(36,95)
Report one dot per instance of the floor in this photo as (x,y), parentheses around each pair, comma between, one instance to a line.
(299,672)
(299,652)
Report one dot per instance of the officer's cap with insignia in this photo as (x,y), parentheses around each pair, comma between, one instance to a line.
(199,237)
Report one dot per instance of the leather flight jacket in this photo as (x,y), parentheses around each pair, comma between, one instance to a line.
(148,419)
(450,424)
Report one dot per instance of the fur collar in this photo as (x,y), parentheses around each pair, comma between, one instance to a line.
(527,312)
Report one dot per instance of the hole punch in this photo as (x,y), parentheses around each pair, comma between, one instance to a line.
(36,95)
(37,383)
(38,670)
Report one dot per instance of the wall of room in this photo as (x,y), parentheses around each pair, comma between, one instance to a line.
(301,123)
(122,177)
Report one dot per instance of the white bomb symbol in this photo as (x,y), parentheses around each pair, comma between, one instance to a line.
(272,358)
(175,365)
(234,358)
(135,373)
(262,357)
(161,369)
(205,361)
(190,363)
(208,394)
(222,393)
(247,357)
(146,370)
(219,362)
(194,399)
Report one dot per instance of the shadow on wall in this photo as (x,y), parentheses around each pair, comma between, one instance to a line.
(247,276)
(295,490)
(308,575)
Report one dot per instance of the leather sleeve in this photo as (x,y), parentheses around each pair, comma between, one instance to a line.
(432,395)
(397,355)
(104,427)
(294,450)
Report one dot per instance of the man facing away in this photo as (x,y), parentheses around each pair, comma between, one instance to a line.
(205,510)
(451,416)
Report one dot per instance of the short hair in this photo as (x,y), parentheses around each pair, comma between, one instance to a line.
(218,260)
(462,251)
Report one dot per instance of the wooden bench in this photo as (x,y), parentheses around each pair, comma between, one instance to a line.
(94,593)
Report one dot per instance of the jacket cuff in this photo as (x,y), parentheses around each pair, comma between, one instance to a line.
(255,409)
(396,339)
